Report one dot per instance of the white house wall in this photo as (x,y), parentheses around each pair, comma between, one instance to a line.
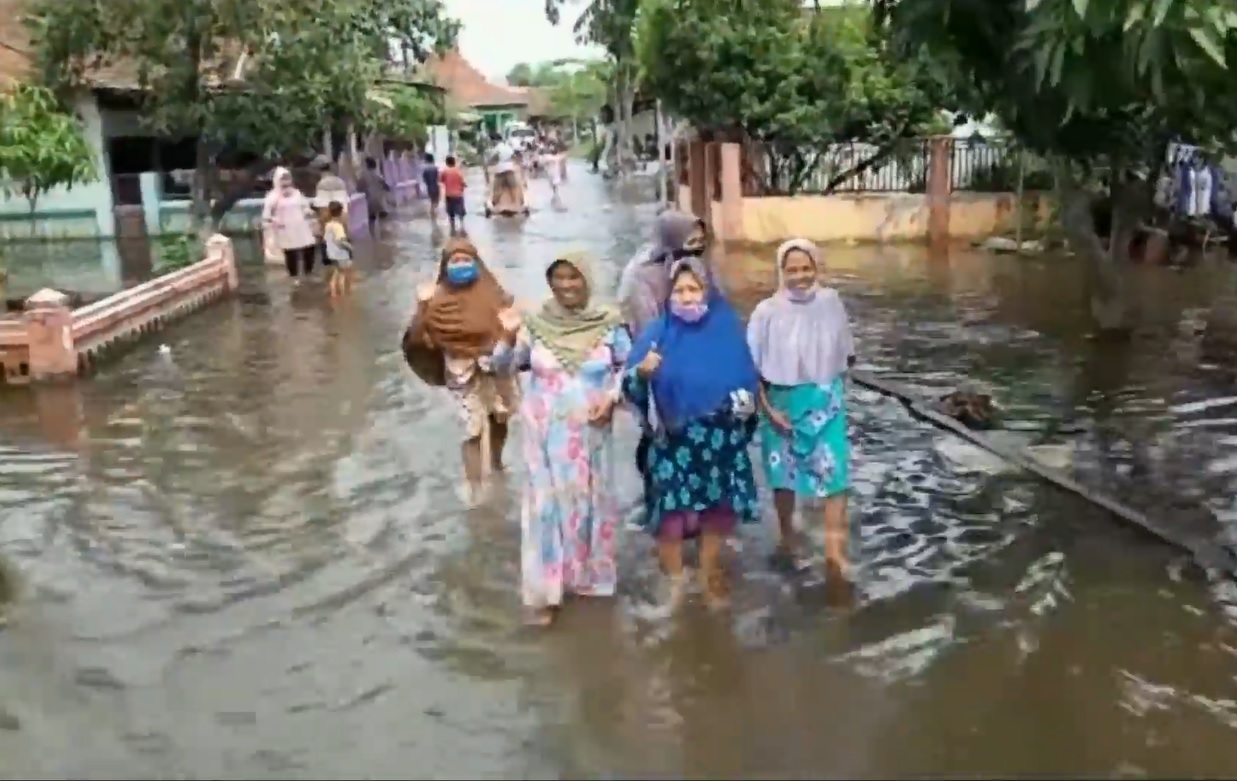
(70,229)
(84,211)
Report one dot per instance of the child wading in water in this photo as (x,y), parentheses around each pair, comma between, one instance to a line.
(338,250)
(453,185)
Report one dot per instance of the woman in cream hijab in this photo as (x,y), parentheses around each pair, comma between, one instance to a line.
(801,341)
(575,350)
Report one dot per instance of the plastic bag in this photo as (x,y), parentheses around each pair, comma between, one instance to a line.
(270,247)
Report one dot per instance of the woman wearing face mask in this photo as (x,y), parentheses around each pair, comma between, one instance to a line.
(575,350)
(801,340)
(288,215)
(692,372)
(644,288)
(450,342)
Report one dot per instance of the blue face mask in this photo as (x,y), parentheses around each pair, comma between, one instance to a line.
(462,274)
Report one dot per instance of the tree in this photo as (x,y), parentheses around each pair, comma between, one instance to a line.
(42,146)
(521,75)
(1100,87)
(795,82)
(579,90)
(576,88)
(610,24)
(401,112)
(253,76)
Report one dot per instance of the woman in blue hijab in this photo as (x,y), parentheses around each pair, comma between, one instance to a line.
(691,369)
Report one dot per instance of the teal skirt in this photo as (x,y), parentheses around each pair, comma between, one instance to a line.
(814,458)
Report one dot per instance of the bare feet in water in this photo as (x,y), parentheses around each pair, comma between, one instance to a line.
(539,617)
(839,589)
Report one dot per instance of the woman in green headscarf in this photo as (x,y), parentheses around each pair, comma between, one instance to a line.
(574,351)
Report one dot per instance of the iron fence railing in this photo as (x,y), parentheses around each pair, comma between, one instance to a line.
(976,165)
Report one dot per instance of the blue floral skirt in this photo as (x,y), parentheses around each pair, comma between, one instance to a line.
(814,458)
(702,466)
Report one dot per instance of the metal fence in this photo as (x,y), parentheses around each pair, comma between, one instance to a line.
(976,165)
(858,167)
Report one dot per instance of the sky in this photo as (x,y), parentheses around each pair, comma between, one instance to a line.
(498,34)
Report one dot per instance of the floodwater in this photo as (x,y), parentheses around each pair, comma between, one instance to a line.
(244,556)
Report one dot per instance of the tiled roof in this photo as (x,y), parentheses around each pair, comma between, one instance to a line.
(14,43)
(539,104)
(465,84)
(17,56)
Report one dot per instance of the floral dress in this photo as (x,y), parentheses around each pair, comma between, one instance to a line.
(699,468)
(814,459)
(569,513)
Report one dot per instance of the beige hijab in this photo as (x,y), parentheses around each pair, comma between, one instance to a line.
(572,335)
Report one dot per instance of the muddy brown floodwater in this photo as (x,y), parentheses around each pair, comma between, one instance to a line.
(247,558)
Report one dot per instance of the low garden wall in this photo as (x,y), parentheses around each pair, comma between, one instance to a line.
(50,340)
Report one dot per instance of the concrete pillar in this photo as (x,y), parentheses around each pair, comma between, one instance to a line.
(152,202)
(219,247)
(60,412)
(711,173)
(939,185)
(49,326)
(730,227)
(697,179)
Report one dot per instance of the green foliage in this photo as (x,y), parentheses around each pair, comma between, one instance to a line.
(304,63)
(795,81)
(521,75)
(257,76)
(174,251)
(1096,82)
(402,112)
(42,146)
(576,89)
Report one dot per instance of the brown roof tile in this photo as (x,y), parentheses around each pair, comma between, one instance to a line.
(17,56)
(15,60)
(465,84)
(539,103)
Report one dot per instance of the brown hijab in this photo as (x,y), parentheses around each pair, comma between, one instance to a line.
(455,322)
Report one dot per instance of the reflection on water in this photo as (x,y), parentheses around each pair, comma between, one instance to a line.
(245,557)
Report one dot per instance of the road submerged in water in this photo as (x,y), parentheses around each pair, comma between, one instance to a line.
(249,559)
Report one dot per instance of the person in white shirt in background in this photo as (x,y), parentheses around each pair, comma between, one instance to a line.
(553,163)
(503,166)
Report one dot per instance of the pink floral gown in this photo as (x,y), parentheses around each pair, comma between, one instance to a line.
(569,513)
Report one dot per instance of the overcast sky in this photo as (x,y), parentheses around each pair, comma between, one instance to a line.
(498,34)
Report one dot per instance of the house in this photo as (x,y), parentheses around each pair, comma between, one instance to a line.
(466,88)
(80,212)
(138,171)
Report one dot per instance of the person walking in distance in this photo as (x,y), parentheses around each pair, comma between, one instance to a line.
(453,186)
(375,187)
(433,192)
(289,217)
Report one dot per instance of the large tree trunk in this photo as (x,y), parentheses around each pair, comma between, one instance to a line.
(225,194)
(622,102)
(1109,305)
(205,181)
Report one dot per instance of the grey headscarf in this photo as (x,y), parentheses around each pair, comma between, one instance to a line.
(645,283)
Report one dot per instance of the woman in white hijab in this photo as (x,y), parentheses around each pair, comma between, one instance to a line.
(801,341)
(288,218)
